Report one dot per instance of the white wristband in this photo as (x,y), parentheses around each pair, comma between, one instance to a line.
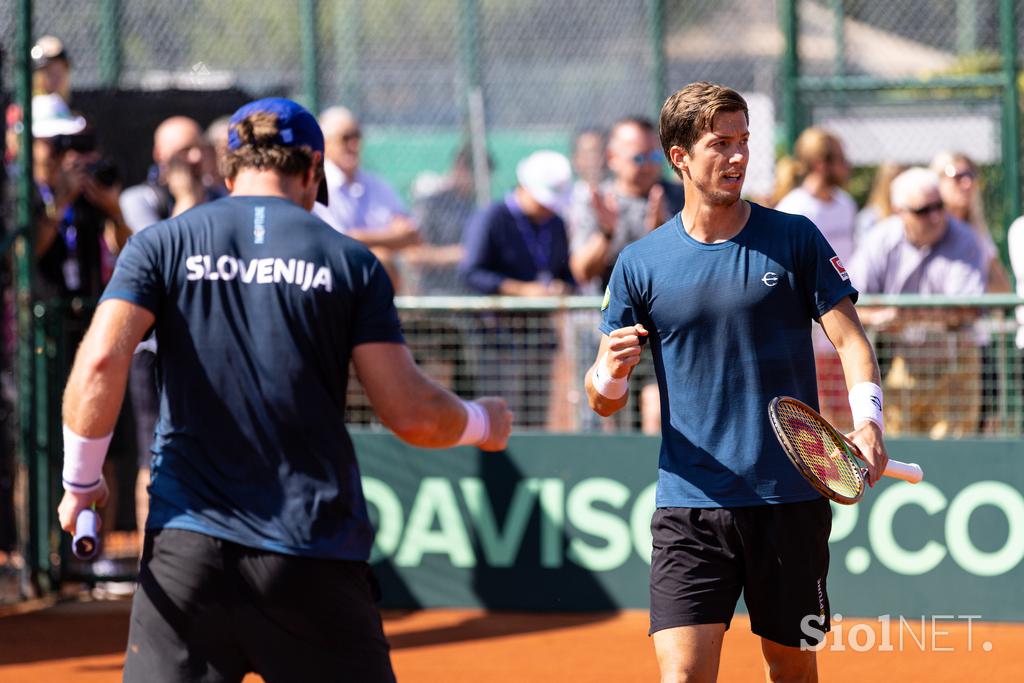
(866,404)
(83,461)
(478,425)
(608,386)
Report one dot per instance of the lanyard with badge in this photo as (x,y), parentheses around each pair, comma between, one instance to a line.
(69,233)
(538,240)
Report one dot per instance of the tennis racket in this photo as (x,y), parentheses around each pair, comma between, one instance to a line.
(86,542)
(824,455)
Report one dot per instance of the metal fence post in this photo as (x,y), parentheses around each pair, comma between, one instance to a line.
(348,36)
(23,255)
(39,459)
(790,73)
(310,60)
(110,43)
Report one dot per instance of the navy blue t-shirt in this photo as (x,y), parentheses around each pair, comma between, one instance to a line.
(730,329)
(258,306)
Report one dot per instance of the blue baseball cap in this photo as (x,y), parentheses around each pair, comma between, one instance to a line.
(296,128)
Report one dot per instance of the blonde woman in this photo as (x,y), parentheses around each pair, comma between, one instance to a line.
(823,171)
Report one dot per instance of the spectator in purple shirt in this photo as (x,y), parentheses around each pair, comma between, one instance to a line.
(932,383)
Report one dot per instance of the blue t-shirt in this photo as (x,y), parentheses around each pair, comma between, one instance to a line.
(258,306)
(730,329)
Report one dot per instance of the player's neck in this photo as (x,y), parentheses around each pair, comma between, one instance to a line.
(266,183)
(711,223)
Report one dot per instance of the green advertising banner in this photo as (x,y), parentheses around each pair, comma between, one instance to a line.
(562,522)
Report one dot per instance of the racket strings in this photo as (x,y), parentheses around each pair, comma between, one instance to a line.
(821,452)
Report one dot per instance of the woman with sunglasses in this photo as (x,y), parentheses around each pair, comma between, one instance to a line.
(961,190)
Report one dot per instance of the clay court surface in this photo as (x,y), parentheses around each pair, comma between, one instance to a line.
(83,641)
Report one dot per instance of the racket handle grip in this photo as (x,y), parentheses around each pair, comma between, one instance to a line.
(907,471)
(86,543)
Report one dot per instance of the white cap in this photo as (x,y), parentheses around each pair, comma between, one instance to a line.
(51,117)
(547,176)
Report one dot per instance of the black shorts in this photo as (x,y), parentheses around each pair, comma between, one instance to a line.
(776,555)
(212,610)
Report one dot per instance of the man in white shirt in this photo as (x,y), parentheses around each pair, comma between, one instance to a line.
(933,381)
(360,204)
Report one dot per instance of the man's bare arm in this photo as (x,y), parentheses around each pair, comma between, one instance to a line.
(617,355)
(843,328)
(94,393)
(416,408)
(96,386)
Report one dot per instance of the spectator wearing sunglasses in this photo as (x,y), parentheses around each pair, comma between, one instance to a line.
(932,383)
(635,200)
(624,208)
(960,188)
(361,205)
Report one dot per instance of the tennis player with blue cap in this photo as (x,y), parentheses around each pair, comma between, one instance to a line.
(257,541)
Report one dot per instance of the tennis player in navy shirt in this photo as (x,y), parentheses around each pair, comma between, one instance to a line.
(725,294)
(257,541)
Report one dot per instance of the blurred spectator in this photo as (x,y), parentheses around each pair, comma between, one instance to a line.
(13,128)
(51,68)
(589,165)
(360,204)
(960,187)
(51,75)
(588,157)
(79,226)
(932,380)
(634,201)
(517,246)
(787,177)
(823,172)
(215,144)
(619,211)
(879,204)
(175,181)
(1015,245)
(442,217)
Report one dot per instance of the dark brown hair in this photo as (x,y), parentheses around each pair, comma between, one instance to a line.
(261,149)
(689,113)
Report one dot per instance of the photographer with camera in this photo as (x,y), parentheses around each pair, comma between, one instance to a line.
(79,226)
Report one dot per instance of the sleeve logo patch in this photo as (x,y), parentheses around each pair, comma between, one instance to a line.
(607,298)
(840,268)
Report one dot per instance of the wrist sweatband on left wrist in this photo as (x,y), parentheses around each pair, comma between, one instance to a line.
(866,404)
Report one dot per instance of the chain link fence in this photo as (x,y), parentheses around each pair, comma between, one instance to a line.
(948,372)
